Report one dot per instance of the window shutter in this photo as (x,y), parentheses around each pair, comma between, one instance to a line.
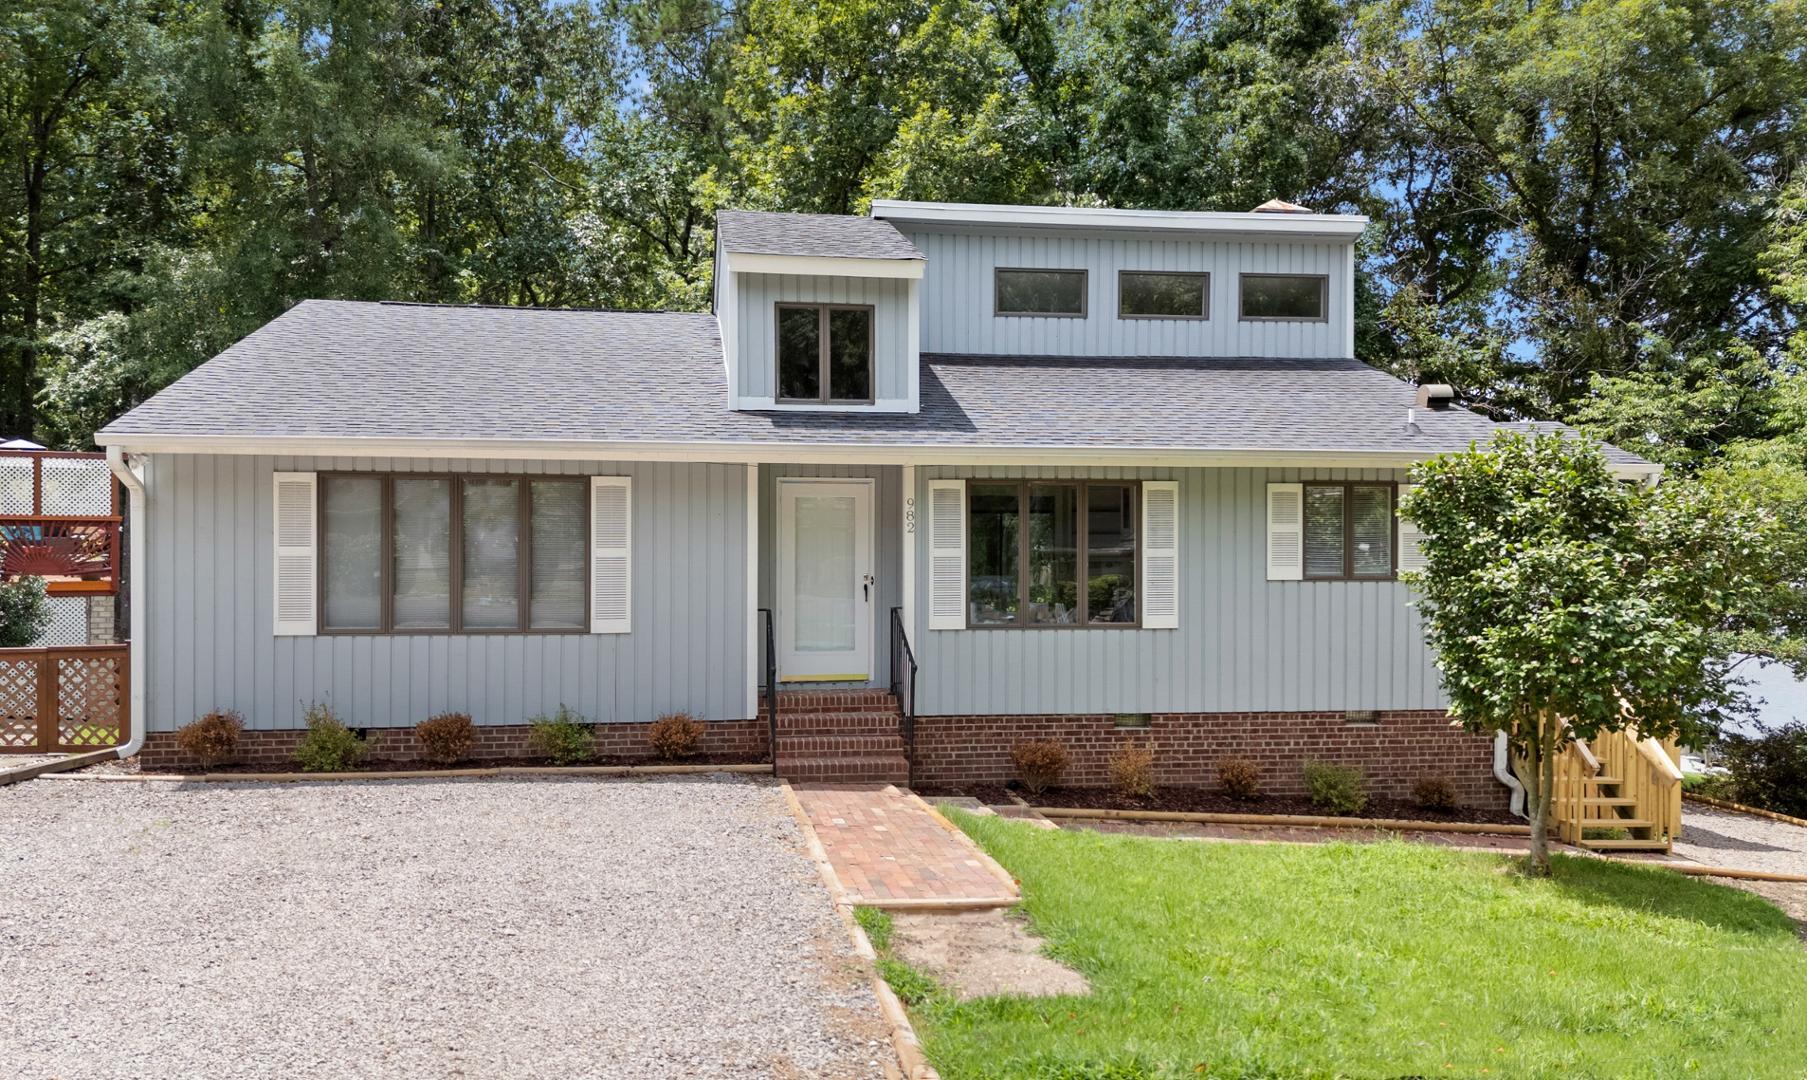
(611,553)
(1411,557)
(1285,532)
(947,554)
(295,567)
(1160,554)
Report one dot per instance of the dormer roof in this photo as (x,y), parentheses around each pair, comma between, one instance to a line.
(831,236)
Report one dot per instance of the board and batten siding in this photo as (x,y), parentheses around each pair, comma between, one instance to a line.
(887,549)
(757,327)
(210,644)
(959,296)
(1244,644)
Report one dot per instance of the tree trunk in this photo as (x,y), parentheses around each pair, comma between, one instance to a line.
(1540,786)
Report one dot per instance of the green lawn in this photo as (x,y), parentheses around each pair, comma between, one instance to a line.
(1373,960)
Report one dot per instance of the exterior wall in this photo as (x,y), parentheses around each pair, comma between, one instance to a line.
(887,543)
(958,297)
(1244,644)
(743,739)
(209,641)
(756,329)
(1399,749)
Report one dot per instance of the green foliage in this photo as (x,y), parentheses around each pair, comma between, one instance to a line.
(24,612)
(1375,959)
(911,986)
(565,737)
(876,922)
(328,746)
(1768,771)
(1340,789)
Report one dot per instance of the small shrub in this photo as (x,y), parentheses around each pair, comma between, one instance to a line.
(328,746)
(24,612)
(565,737)
(1132,770)
(1340,789)
(445,739)
(1434,793)
(212,739)
(1769,771)
(675,735)
(1039,763)
(1240,778)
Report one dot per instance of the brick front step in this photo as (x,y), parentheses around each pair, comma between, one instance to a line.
(837,723)
(846,769)
(790,746)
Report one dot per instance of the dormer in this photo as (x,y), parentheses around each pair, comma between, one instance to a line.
(1278,282)
(818,312)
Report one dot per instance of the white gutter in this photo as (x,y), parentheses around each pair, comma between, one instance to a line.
(134,485)
(1343,227)
(1502,771)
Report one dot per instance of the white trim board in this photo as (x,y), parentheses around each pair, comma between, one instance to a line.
(826,266)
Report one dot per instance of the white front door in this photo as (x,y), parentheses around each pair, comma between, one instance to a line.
(826,593)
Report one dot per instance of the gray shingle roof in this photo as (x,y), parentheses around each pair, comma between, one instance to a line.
(757,232)
(408,371)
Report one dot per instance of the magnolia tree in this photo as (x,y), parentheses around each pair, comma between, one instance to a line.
(1563,602)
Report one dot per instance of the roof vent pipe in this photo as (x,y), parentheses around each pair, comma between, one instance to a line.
(1280,206)
(1436,395)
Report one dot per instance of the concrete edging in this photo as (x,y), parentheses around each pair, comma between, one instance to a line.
(47,768)
(1740,808)
(1313,821)
(903,1034)
(428,774)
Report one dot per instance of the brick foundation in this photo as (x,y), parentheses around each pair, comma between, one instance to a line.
(1394,752)
(745,739)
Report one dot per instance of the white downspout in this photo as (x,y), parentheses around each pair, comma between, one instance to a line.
(134,485)
(1502,766)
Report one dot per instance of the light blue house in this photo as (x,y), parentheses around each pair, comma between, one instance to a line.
(959,475)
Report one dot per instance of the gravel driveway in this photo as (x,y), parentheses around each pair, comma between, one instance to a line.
(1727,838)
(519,928)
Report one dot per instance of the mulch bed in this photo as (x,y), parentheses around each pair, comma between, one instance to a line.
(1201,801)
(389,765)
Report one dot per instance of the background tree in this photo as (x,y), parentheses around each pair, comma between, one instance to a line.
(1563,603)
(24,612)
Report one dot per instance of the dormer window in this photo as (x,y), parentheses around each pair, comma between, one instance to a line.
(824,354)
(1040,292)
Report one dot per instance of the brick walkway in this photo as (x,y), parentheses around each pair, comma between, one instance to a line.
(887,850)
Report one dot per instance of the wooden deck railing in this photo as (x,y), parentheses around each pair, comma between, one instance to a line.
(1619,781)
(60,520)
(64,699)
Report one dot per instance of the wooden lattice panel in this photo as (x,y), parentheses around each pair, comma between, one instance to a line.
(18,702)
(90,700)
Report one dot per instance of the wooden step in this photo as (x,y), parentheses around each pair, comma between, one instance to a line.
(1602,780)
(1608,800)
(1624,845)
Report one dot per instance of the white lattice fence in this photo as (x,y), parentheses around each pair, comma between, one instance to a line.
(68,622)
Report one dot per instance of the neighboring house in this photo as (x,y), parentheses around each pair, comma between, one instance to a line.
(1109,475)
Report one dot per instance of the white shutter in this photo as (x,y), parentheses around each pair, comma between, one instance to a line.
(1160,554)
(611,553)
(294,572)
(1285,532)
(1411,555)
(947,554)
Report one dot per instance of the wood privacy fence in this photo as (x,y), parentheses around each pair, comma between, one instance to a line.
(64,699)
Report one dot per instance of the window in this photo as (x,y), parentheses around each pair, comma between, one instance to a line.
(1146,294)
(1284,296)
(415,553)
(1051,554)
(1040,292)
(824,353)
(1348,531)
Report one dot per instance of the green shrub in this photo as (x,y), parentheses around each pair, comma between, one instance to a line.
(1769,771)
(1434,793)
(328,746)
(24,612)
(1240,778)
(445,739)
(675,735)
(1039,764)
(1340,789)
(565,737)
(212,739)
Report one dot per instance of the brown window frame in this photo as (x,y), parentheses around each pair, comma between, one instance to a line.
(1085,292)
(1082,555)
(1323,315)
(1204,289)
(1347,487)
(386,575)
(822,353)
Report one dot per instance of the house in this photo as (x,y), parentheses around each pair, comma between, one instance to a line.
(961,475)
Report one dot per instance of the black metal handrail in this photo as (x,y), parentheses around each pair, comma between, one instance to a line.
(903,688)
(771,687)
